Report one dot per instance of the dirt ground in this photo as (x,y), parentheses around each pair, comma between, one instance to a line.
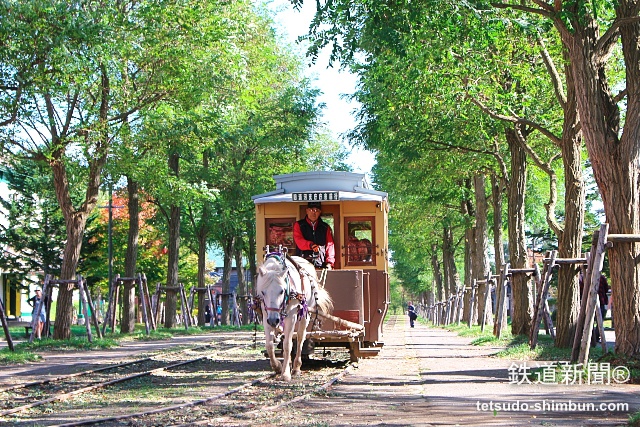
(422,377)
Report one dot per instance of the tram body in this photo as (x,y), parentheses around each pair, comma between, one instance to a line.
(359,282)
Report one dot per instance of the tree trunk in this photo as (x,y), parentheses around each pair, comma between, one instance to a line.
(481,259)
(570,241)
(437,275)
(131,259)
(253,269)
(202,272)
(64,309)
(614,158)
(496,201)
(522,310)
(469,249)
(451,276)
(173,254)
(227,247)
(241,290)
(75,220)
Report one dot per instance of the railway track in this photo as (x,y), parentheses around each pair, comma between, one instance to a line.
(191,387)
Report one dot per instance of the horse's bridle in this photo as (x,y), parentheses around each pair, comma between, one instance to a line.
(288,294)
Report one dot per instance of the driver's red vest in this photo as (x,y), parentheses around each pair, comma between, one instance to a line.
(317,236)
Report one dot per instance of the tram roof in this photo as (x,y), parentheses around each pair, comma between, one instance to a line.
(349,185)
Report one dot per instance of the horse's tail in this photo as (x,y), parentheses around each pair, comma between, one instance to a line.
(324,303)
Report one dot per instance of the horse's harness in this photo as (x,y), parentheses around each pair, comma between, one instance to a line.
(289,294)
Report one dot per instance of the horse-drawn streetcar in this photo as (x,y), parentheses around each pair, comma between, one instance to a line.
(358,283)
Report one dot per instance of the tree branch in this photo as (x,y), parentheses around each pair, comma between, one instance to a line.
(546,12)
(620,96)
(550,206)
(607,41)
(553,72)
(516,121)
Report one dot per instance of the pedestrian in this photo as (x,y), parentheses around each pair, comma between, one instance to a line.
(33,302)
(411,311)
(603,298)
(207,314)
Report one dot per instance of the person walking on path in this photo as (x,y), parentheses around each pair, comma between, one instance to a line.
(33,302)
(411,311)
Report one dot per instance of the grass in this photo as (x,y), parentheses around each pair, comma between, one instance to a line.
(517,348)
(26,352)
(634,420)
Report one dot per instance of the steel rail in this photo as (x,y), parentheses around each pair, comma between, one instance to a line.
(64,396)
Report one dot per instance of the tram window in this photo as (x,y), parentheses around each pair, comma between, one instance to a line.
(280,232)
(360,246)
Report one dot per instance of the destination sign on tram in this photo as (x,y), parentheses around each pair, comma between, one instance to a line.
(323,196)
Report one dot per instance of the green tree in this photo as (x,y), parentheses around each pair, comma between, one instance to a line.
(34,231)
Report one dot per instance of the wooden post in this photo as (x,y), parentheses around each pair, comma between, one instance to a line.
(592,299)
(184,306)
(460,304)
(155,304)
(94,316)
(584,291)
(85,308)
(542,299)
(212,307)
(143,305)
(487,296)
(500,317)
(5,326)
(472,301)
(447,311)
(148,301)
(48,297)
(549,321)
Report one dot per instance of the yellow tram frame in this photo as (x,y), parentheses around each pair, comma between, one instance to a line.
(358,285)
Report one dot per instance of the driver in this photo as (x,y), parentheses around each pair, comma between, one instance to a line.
(314,238)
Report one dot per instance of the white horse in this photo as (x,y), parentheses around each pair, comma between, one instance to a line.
(288,287)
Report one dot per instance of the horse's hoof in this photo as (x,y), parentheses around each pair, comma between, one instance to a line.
(277,368)
(295,373)
(286,377)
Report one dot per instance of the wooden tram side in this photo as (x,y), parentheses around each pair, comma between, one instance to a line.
(359,282)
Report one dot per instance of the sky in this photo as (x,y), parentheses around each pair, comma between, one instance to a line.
(331,81)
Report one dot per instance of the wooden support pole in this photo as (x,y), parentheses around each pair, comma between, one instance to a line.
(584,291)
(522,270)
(5,326)
(85,307)
(148,301)
(596,271)
(94,317)
(500,319)
(627,238)
(459,305)
(472,302)
(560,261)
(542,298)
(184,306)
(487,296)
(143,305)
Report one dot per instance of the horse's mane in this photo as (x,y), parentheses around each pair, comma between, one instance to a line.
(270,271)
